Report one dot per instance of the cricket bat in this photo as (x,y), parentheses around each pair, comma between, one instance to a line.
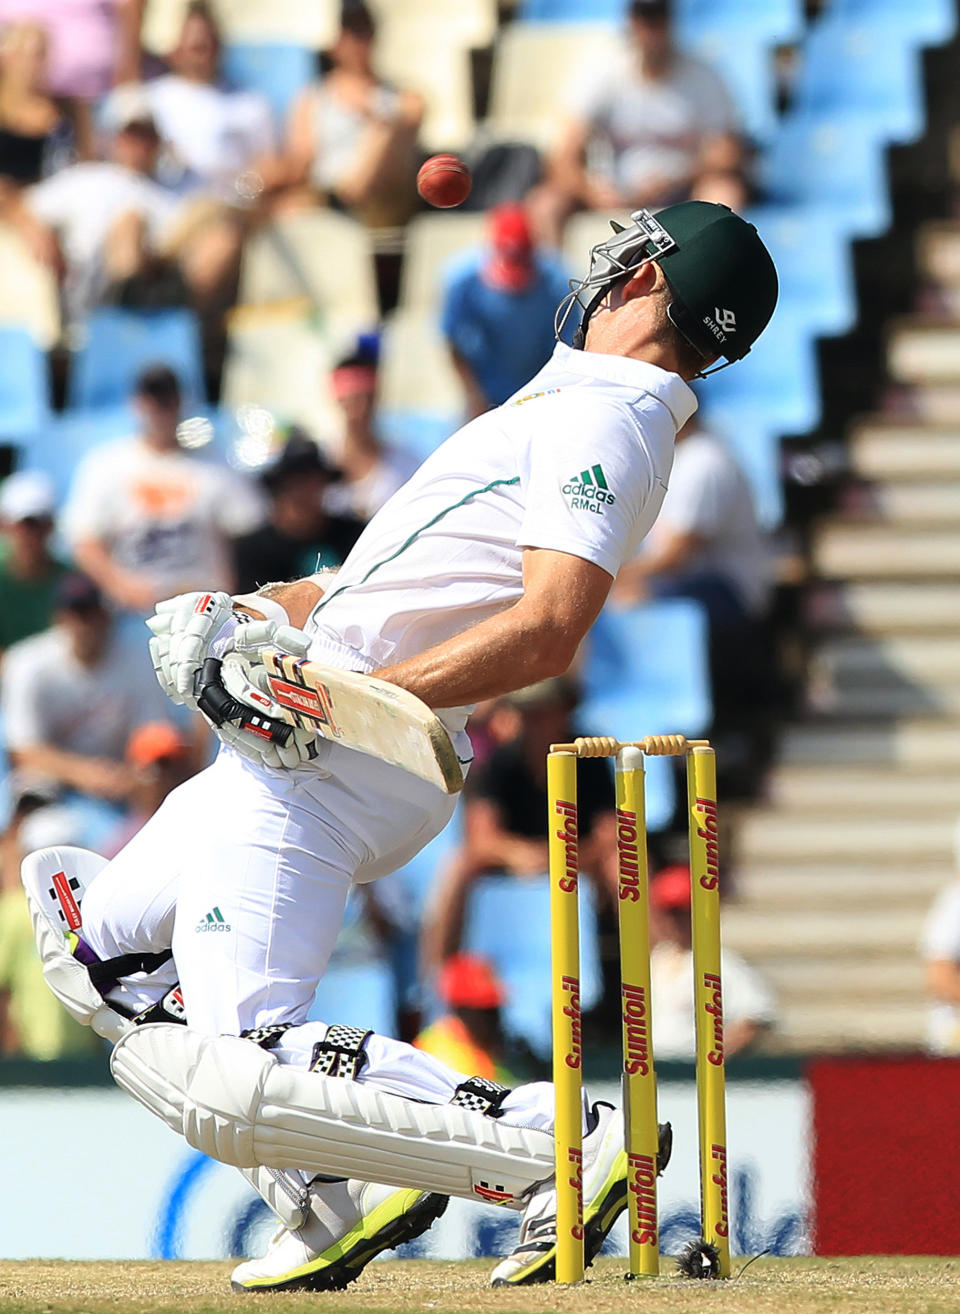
(358,711)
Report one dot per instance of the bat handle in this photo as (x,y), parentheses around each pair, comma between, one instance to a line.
(221,707)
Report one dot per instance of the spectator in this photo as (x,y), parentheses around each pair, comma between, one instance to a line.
(470,1037)
(29,573)
(223,139)
(748,1008)
(33,1022)
(707,545)
(93,43)
(372,471)
(505,817)
(940,950)
(147,520)
(31,121)
(71,697)
(353,138)
(103,222)
(301,536)
(161,758)
(498,311)
(642,130)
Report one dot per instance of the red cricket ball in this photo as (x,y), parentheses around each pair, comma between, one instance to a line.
(444,181)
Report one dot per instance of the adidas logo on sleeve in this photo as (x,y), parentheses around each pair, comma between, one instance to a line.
(589,491)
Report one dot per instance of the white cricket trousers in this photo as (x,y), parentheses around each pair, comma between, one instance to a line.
(244,872)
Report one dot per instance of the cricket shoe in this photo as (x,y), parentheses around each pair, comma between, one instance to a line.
(349,1223)
(534,1257)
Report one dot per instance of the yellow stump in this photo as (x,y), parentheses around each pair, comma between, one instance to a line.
(639,1079)
(565,1003)
(708,998)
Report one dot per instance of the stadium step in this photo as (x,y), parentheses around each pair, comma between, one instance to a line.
(876,932)
(883,839)
(848,886)
(923,350)
(852,980)
(938,249)
(897,450)
(868,789)
(935,661)
(885,552)
(914,503)
(908,744)
(805,1028)
(936,404)
(882,608)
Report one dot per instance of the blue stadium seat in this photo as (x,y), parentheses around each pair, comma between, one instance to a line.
(775,391)
(120,343)
(813,264)
(572,11)
(767,21)
(834,162)
(357,995)
(24,383)
(926,22)
(278,70)
(854,64)
(655,656)
(508,921)
(746,67)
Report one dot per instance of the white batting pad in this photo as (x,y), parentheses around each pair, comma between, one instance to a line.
(54,880)
(236,1103)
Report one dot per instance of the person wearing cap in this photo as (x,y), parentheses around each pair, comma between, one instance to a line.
(505,816)
(29,572)
(480,576)
(160,757)
(642,129)
(371,470)
(748,1006)
(498,307)
(300,535)
(145,517)
(470,1036)
(71,696)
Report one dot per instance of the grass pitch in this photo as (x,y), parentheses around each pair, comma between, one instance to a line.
(886,1285)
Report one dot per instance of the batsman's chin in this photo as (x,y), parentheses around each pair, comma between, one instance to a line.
(207,1088)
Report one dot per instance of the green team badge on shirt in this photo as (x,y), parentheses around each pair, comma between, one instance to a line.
(589,491)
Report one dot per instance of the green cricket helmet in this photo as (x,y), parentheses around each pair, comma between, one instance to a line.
(721,277)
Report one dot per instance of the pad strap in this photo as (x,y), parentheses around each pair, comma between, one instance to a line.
(481,1096)
(266,1037)
(107,971)
(340,1053)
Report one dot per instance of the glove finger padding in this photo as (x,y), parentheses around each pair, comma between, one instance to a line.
(159,647)
(301,748)
(197,620)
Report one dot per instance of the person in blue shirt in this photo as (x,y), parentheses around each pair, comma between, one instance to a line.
(498,310)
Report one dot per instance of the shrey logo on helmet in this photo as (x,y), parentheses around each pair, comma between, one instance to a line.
(727,320)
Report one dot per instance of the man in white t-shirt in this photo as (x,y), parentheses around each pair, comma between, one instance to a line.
(103,221)
(707,527)
(145,518)
(217,134)
(640,131)
(748,1008)
(72,696)
(940,950)
(480,576)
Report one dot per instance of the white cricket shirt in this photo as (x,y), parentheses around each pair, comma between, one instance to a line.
(577,461)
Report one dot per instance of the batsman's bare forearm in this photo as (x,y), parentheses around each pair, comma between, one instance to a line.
(532,640)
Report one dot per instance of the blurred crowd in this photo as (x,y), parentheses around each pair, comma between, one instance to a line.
(139,183)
